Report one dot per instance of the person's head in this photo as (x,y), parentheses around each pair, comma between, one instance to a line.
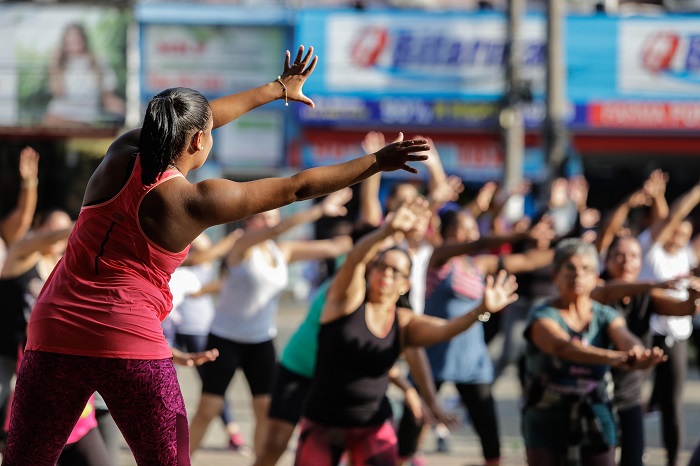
(178,121)
(49,221)
(388,275)
(266,219)
(575,268)
(400,193)
(624,259)
(458,225)
(680,237)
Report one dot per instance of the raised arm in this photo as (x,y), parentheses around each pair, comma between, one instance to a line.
(316,249)
(617,219)
(655,186)
(347,290)
(528,261)
(484,200)
(332,206)
(666,305)
(16,224)
(219,201)
(202,251)
(370,209)
(450,249)
(614,291)
(288,87)
(436,172)
(488,263)
(20,256)
(422,330)
(662,229)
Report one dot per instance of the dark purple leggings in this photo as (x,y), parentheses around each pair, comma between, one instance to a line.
(143,397)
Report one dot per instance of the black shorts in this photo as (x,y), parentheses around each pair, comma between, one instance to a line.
(288,395)
(256,359)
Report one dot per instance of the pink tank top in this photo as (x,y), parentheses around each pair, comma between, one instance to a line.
(109,293)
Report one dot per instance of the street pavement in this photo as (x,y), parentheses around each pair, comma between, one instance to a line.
(464,445)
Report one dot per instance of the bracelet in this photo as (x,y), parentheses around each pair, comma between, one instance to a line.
(284,90)
(484,317)
(31,183)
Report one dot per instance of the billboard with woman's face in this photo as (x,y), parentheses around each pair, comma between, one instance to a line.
(62,66)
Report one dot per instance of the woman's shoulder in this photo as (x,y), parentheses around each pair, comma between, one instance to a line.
(604,312)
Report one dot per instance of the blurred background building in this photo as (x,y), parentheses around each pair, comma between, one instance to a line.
(75,74)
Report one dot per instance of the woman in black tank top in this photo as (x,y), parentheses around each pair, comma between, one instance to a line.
(362,334)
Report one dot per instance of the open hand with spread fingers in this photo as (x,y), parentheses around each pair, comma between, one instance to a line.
(499,291)
(295,74)
(395,156)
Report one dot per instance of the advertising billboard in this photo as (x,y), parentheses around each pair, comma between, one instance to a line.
(62,66)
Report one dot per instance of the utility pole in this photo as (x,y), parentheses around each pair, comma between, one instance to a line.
(511,116)
(554,131)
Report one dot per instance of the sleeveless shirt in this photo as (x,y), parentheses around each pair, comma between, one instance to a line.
(352,373)
(109,293)
(249,299)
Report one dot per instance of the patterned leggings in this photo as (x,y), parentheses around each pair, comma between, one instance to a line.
(143,397)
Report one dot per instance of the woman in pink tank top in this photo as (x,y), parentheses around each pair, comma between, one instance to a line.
(96,324)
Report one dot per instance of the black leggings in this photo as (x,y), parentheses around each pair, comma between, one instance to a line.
(197,344)
(668,392)
(481,407)
(631,436)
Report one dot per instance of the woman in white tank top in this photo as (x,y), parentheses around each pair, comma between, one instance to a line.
(244,324)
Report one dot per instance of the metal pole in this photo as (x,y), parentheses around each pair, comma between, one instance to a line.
(511,117)
(555,134)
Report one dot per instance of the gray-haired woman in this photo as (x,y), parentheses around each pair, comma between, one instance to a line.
(572,342)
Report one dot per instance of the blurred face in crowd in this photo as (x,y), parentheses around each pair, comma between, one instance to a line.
(388,275)
(624,260)
(577,276)
(680,238)
(465,229)
(403,192)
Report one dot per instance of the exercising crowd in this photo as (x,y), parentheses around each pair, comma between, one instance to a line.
(97,310)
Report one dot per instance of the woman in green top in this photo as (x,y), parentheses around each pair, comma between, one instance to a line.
(567,418)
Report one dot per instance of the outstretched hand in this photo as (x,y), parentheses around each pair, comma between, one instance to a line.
(499,291)
(643,358)
(406,216)
(194,359)
(295,74)
(334,204)
(395,156)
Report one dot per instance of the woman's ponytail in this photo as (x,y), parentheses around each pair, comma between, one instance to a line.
(171,118)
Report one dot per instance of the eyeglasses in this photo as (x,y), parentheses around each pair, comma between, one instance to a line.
(383,267)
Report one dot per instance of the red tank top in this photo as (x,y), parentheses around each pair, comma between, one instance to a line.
(109,293)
